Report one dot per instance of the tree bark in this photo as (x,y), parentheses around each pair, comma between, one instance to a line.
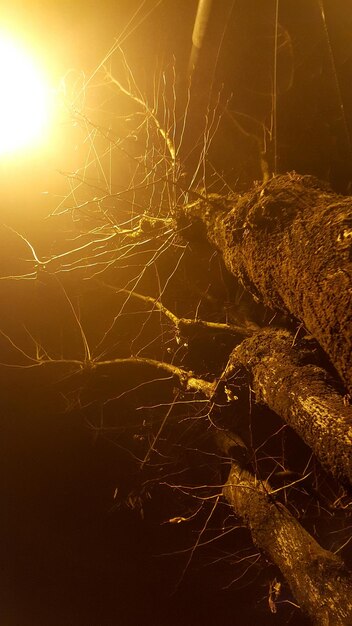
(289,241)
(284,377)
(318,579)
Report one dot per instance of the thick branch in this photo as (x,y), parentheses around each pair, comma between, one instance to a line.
(318,579)
(301,393)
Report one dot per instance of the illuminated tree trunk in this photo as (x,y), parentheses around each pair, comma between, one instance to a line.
(318,579)
(289,241)
(285,378)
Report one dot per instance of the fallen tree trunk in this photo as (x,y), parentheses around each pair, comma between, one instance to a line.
(318,578)
(289,241)
(301,393)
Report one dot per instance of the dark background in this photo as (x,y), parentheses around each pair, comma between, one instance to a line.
(70,556)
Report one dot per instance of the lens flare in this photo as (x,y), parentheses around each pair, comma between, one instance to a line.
(24,99)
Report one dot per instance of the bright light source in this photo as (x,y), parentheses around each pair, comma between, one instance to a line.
(24,99)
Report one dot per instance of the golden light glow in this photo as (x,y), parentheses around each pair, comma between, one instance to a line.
(24,99)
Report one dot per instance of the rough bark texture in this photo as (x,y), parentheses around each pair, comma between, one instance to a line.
(284,378)
(317,578)
(290,243)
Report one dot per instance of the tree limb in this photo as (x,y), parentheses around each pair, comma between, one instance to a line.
(318,578)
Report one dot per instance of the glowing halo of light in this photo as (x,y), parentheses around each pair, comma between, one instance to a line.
(24,99)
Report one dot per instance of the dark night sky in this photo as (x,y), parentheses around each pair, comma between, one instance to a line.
(68,556)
